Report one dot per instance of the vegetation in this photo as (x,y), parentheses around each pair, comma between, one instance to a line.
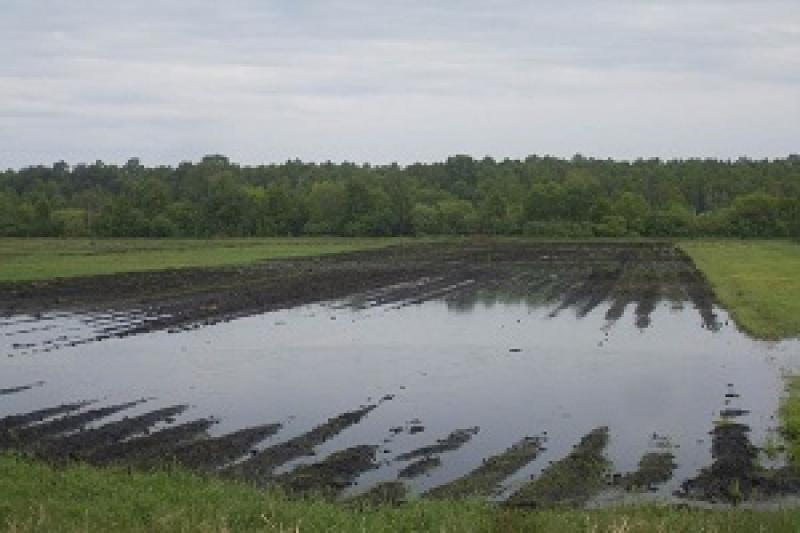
(790,418)
(37,259)
(541,196)
(37,497)
(757,281)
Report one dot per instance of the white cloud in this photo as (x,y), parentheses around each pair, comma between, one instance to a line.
(405,80)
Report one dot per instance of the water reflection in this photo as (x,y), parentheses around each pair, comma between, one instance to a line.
(477,377)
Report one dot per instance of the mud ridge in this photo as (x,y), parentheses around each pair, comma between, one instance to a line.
(10,424)
(212,453)
(452,442)
(331,475)
(484,480)
(261,466)
(79,445)
(571,481)
(419,467)
(578,275)
(655,468)
(153,449)
(21,388)
(29,435)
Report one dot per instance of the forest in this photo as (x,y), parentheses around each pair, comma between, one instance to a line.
(537,196)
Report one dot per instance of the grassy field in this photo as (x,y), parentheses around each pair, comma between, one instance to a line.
(39,259)
(77,498)
(757,281)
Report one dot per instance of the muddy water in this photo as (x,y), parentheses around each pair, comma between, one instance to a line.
(484,362)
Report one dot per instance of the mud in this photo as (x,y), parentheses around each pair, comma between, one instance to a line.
(571,481)
(216,452)
(655,468)
(78,446)
(9,424)
(453,441)
(569,275)
(331,475)
(153,449)
(485,480)
(25,437)
(735,476)
(22,388)
(260,467)
(419,467)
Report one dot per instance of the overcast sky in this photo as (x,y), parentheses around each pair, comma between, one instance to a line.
(379,81)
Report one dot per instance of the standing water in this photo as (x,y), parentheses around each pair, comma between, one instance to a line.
(477,383)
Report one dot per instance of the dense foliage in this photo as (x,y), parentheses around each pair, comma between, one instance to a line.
(542,196)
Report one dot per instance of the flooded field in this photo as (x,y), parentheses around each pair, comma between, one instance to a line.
(533,374)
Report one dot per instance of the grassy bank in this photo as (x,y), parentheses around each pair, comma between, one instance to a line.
(757,281)
(38,498)
(790,418)
(39,259)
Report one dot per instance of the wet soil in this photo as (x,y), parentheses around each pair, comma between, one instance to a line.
(571,481)
(419,467)
(260,467)
(453,441)
(21,388)
(735,476)
(485,480)
(331,475)
(569,275)
(654,469)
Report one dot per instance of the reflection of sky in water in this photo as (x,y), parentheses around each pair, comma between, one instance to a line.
(450,365)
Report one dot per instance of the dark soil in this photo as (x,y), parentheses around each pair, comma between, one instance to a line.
(419,467)
(571,481)
(484,480)
(654,469)
(568,275)
(332,475)
(735,475)
(21,388)
(152,449)
(260,467)
(453,441)
(216,452)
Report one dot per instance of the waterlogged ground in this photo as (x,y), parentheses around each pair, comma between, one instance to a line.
(537,375)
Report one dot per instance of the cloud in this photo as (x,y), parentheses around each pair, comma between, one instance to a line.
(406,80)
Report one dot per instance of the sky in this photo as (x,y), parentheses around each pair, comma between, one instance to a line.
(406,80)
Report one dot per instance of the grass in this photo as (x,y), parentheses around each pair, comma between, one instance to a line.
(790,418)
(36,497)
(757,281)
(42,259)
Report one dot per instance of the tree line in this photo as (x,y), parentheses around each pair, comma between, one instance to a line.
(539,196)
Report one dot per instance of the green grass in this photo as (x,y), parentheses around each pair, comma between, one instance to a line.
(35,497)
(41,259)
(758,282)
(790,418)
